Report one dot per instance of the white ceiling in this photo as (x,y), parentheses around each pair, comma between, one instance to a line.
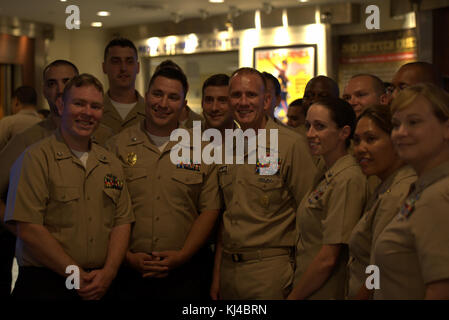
(131,12)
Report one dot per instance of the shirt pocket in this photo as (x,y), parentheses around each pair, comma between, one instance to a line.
(136,180)
(267,192)
(187,185)
(63,206)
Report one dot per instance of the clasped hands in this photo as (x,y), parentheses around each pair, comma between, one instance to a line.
(156,264)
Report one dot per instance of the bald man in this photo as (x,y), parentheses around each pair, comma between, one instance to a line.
(413,73)
(319,87)
(363,90)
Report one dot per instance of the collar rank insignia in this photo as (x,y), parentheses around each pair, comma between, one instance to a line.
(409,206)
(265,163)
(112,182)
(189,166)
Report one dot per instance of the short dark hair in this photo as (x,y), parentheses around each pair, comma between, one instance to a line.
(82,80)
(171,73)
(298,104)
(120,42)
(217,80)
(341,113)
(380,115)
(57,63)
(247,70)
(26,95)
(171,64)
(277,86)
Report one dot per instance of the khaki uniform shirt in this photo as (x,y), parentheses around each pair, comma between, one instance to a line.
(413,251)
(260,209)
(193,116)
(12,125)
(79,206)
(384,204)
(113,119)
(20,142)
(327,216)
(166,198)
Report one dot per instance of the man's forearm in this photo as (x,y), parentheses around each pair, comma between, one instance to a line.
(44,247)
(199,233)
(117,248)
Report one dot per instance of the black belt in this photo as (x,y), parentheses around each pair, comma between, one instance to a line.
(257,254)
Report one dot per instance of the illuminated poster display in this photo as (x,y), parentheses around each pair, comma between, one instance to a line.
(294,66)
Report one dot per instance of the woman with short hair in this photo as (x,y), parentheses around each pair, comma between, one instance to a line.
(412,252)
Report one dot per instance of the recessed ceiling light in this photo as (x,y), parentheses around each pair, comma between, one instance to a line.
(96,24)
(63,0)
(216,1)
(103,13)
(303,0)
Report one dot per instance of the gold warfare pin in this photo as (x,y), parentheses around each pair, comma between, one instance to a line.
(132,158)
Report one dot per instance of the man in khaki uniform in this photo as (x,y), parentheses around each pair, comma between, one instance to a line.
(176,205)
(123,105)
(319,87)
(24,114)
(363,90)
(254,258)
(70,205)
(215,103)
(55,76)
(413,73)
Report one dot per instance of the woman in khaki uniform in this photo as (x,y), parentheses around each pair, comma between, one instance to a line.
(328,213)
(376,155)
(412,252)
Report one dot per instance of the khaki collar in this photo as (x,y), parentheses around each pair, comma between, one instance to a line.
(63,151)
(341,164)
(431,177)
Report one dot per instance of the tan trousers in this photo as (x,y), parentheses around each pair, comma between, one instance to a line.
(259,279)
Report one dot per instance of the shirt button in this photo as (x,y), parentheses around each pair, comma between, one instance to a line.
(88,198)
(159,177)
(91,240)
(157,218)
(90,219)
(157,198)
(156,239)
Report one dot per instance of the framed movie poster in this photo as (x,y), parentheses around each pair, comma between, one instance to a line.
(294,66)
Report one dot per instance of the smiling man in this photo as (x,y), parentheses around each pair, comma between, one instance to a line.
(176,205)
(255,245)
(123,105)
(363,90)
(215,103)
(70,205)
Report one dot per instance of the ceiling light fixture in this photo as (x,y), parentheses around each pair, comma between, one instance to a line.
(257,23)
(204,14)
(96,24)
(216,1)
(176,17)
(103,13)
(267,7)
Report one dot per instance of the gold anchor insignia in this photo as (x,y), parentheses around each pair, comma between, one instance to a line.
(132,158)
(265,201)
